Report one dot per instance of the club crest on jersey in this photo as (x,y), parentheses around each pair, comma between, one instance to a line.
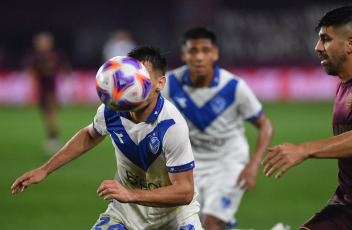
(188,227)
(218,104)
(153,144)
(225,202)
(348,102)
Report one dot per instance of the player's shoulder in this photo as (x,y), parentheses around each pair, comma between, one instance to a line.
(100,111)
(171,112)
(229,75)
(106,114)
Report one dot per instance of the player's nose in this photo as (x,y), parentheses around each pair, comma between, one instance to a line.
(319,46)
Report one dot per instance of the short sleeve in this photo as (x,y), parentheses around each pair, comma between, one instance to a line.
(177,149)
(249,106)
(99,124)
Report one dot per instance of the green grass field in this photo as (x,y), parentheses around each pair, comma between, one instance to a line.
(67,199)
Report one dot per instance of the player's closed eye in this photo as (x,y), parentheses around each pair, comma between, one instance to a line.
(325,38)
(193,51)
(206,50)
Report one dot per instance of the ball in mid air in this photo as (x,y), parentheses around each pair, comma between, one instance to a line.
(123,83)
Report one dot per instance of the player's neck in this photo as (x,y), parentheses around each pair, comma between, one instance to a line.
(143,114)
(201,81)
(346,74)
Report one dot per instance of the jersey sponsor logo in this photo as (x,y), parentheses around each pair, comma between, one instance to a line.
(206,143)
(348,102)
(218,104)
(153,144)
(140,182)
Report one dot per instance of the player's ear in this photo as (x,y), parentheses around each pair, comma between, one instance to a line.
(161,83)
(349,44)
(216,54)
(183,53)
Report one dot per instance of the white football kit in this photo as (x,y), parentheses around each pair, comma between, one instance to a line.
(146,153)
(215,116)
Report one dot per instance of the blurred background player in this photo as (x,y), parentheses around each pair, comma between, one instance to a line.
(44,62)
(153,186)
(119,44)
(214,103)
(335,48)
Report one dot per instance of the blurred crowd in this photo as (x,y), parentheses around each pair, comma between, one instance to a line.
(270,33)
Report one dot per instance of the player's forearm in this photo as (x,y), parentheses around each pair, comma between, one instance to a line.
(335,147)
(265,134)
(169,196)
(75,147)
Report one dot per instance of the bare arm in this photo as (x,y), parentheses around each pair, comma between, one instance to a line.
(179,193)
(83,141)
(289,155)
(265,133)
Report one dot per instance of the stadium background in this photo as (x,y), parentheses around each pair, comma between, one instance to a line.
(269,43)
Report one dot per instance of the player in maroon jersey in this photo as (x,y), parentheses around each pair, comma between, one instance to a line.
(44,62)
(335,48)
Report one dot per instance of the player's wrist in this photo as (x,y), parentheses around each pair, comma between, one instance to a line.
(45,170)
(306,150)
(255,162)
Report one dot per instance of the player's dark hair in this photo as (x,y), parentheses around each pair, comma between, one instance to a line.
(151,54)
(197,33)
(337,17)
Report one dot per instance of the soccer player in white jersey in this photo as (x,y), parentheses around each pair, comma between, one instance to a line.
(153,186)
(214,103)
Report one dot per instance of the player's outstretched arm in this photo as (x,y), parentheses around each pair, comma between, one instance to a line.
(288,155)
(83,141)
(265,134)
(179,193)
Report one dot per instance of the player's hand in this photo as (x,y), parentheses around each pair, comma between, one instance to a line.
(248,176)
(285,155)
(32,177)
(114,190)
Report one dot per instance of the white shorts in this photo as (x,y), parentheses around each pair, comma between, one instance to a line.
(187,219)
(218,194)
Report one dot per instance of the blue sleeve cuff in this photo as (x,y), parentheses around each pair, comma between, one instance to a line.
(255,117)
(181,168)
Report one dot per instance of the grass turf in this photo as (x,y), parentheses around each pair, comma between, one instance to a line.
(67,199)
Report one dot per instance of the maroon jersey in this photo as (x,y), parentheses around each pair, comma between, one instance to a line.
(46,64)
(342,122)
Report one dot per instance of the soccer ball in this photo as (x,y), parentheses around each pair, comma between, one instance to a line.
(123,83)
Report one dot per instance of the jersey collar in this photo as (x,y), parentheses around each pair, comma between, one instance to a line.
(153,116)
(186,80)
(158,107)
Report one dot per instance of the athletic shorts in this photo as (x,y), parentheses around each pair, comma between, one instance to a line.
(110,220)
(333,216)
(218,194)
(47,93)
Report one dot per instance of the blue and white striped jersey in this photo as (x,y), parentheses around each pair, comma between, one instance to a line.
(214,114)
(148,151)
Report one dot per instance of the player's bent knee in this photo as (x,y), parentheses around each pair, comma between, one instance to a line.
(211,222)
